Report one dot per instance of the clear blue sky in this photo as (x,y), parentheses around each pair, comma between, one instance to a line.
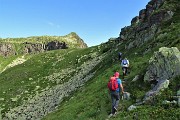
(95,21)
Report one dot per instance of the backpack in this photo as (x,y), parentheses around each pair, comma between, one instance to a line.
(112,84)
(124,62)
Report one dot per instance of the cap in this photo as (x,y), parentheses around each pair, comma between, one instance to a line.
(116,74)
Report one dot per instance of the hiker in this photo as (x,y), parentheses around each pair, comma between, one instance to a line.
(115,93)
(125,66)
(120,56)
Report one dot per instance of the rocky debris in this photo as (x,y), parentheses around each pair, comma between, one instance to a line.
(48,100)
(169,102)
(165,64)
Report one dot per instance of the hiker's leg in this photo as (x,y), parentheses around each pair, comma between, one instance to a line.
(117,100)
(113,98)
(124,72)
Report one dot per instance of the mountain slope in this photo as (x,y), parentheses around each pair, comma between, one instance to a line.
(93,101)
(42,77)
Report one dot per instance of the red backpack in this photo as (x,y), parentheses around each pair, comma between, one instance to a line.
(112,84)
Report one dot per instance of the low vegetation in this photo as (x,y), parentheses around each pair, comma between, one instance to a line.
(92,101)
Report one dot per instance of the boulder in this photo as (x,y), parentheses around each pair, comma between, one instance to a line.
(165,64)
(126,96)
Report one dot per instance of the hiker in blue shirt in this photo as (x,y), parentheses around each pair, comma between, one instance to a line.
(115,95)
(125,66)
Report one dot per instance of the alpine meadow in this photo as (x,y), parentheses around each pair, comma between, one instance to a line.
(61,78)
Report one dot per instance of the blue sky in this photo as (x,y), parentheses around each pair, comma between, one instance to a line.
(95,21)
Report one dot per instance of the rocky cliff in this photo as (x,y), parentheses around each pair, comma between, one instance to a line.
(13,46)
(145,26)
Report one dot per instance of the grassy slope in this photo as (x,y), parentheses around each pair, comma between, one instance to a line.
(93,101)
(20,81)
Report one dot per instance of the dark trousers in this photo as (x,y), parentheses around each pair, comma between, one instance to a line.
(115,100)
(125,70)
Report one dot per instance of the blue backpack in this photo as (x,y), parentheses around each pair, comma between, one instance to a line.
(125,62)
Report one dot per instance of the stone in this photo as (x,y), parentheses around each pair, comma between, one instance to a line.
(135,78)
(14,99)
(164,64)
(2,99)
(132,107)
(126,96)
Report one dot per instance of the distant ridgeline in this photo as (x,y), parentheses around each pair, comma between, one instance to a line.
(35,44)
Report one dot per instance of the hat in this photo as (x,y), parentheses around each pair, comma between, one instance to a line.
(116,74)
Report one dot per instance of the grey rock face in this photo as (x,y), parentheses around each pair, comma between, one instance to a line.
(6,49)
(145,26)
(37,47)
(165,64)
(56,45)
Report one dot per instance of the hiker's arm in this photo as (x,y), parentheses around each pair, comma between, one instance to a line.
(122,89)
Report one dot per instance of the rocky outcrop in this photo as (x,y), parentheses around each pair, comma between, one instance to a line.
(6,49)
(145,26)
(164,65)
(40,44)
(38,47)
(54,45)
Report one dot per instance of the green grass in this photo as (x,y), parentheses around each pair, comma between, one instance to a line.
(33,72)
(92,101)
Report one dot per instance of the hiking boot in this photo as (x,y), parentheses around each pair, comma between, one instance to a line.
(110,115)
(115,109)
(114,114)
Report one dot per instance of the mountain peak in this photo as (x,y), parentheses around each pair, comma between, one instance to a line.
(73,35)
